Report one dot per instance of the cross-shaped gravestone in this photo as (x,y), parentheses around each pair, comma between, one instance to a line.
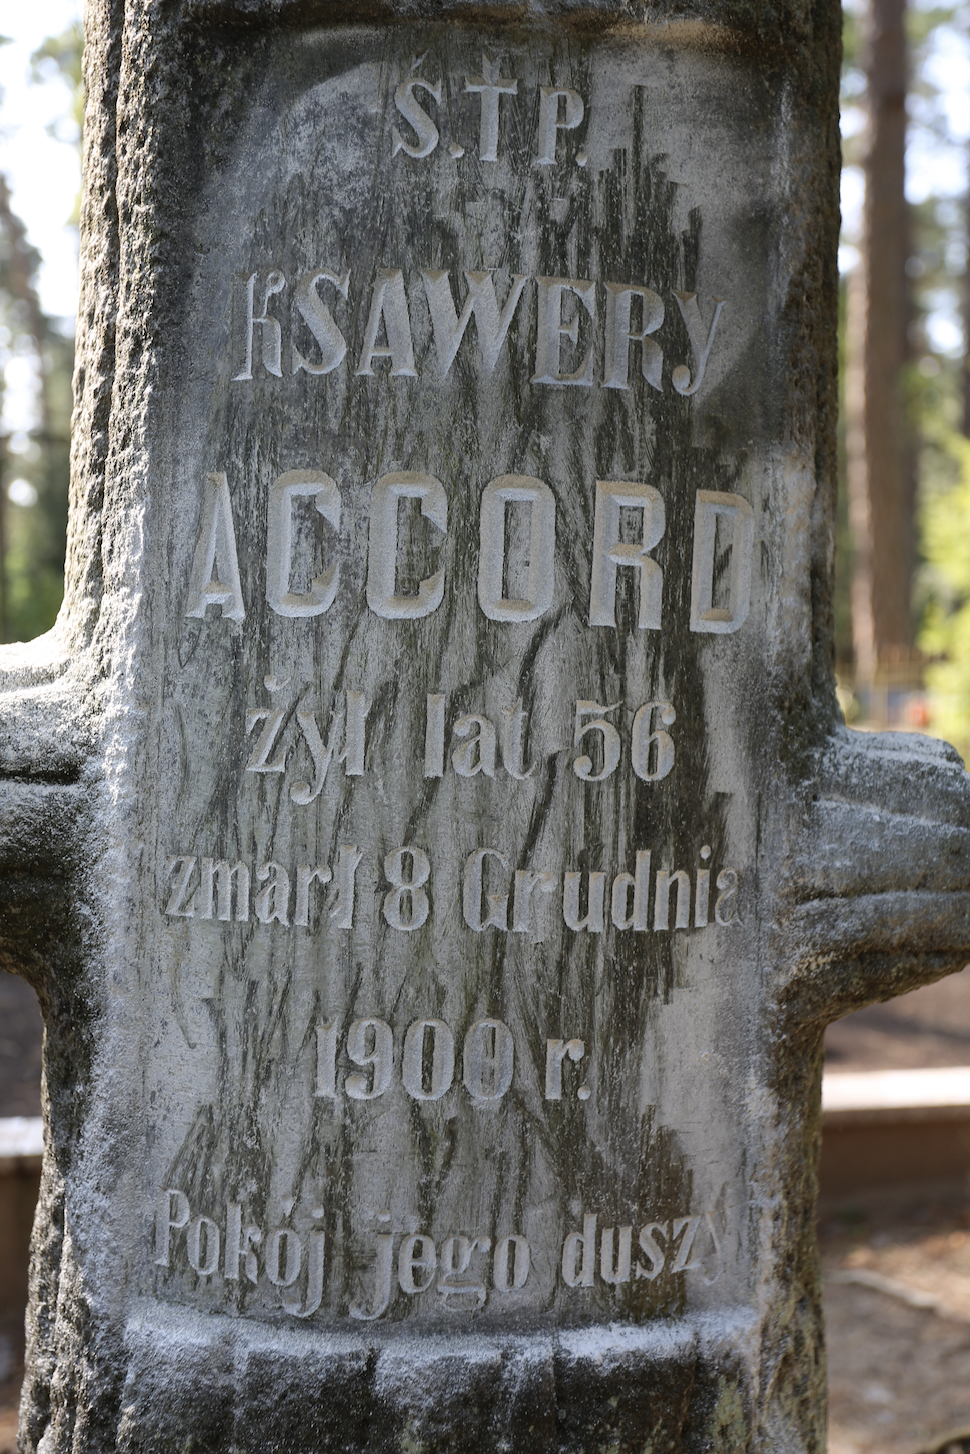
(429,828)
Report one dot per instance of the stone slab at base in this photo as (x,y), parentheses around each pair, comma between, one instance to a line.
(607,1386)
(895,1133)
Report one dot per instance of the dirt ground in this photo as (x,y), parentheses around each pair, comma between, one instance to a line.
(11,1376)
(897,1289)
(897,1312)
(897,1283)
(930,1027)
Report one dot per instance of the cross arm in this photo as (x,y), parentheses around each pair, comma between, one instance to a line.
(878,883)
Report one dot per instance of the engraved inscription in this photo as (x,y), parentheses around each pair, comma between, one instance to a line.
(215,573)
(573,317)
(461,1269)
(456,881)
(492,894)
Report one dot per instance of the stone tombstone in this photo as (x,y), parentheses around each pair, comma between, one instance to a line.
(429,827)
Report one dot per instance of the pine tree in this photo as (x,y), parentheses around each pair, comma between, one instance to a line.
(881,489)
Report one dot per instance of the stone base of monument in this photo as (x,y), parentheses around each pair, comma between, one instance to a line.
(887,1132)
(397,1391)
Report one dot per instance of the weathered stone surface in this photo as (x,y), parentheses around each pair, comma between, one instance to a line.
(428,828)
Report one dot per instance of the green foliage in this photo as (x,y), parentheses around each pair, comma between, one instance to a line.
(36,464)
(35,533)
(34,517)
(930,388)
(64,51)
(945,634)
(61,55)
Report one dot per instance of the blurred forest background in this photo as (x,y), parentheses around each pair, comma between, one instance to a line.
(903,557)
(36,359)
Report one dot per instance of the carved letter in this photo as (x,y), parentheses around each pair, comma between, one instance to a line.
(279,543)
(382,545)
(702,892)
(441,1071)
(521,1259)
(525,912)
(434,736)
(449,326)
(425,129)
(352,756)
(620,334)
(456,1256)
(383,1268)
(478,755)
(643,741)
(272,337)
(167,1217)
(239,1244)
(343,910)
(488,1060)
(302,792)
(620,897)
(259,758)
(725,907)
(327,1058)
(709,559)
(661,911)
(380,1056)
(305,876)
(203,1228)
(472,889)
(700,341)
(283,1261)
(318,318)
(418,1256)
(718,1251)
(579,1254)
(273,902)
(177,905)
(542,548)
(583,766)
(514,723)
(490,86)
(549,123)
(550,330)
(609,552)
(216,542)
(615,1258)
(389,303)
(594,901)
(648,1246)
(222,873)
(407,888)
(556,1053)
(314,1280)
(687,1225)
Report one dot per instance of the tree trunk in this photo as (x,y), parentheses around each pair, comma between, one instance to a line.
(880,492)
